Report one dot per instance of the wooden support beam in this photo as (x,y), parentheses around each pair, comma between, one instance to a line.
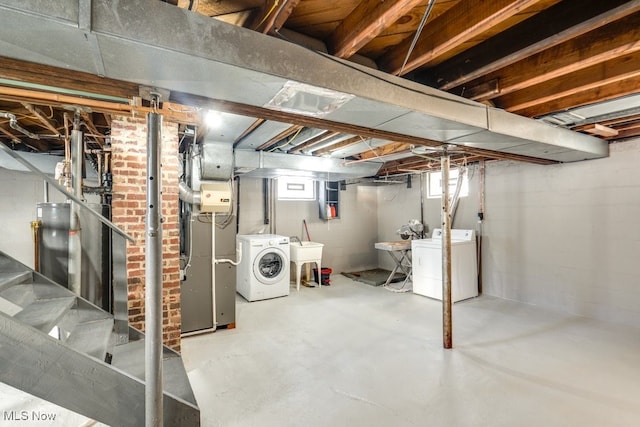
(604,44)
(10,134)
(385,150)
(219,7)
(603,93)
(273,15)
(30,72)
(599,130)
(248,130)
(553,26)
(38,114)
(282,135)
(339,145)
(587,79)
(459,28)
(313,141)
(369,19)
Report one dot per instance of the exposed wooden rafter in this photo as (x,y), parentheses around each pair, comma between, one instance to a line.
(595,47)
(365,23)
(467,24)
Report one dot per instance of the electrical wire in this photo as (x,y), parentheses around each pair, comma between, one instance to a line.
(275,4)
(287,142)
(427,12)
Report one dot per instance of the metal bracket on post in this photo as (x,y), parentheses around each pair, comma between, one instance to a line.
(447,325)
(153,272)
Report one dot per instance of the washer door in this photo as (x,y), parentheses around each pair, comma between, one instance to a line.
(269,266)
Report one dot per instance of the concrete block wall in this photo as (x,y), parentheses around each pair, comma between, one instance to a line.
(566,237)
(129,159)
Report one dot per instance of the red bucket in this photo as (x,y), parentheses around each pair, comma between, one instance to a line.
(325,273)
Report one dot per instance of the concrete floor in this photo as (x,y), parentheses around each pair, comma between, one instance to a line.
(355,355)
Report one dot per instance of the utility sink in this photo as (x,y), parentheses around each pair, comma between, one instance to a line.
(302,252)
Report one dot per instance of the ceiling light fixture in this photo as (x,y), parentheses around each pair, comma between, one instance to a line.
(213,119)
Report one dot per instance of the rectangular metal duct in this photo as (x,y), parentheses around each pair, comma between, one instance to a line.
(130,41)
(262,164)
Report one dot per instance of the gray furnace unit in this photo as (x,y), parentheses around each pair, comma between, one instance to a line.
(197,300)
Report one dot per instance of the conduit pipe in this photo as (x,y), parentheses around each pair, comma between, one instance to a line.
(13,124)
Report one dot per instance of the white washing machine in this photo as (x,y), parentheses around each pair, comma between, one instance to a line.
(263,272)
(427,265)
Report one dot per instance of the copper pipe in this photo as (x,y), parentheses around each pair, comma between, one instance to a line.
(35,234)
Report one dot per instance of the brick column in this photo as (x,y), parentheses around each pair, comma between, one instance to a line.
(129,168)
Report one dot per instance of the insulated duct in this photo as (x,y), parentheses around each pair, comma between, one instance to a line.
(250,69)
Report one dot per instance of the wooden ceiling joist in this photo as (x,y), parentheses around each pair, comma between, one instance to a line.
(44,120)
(368,20)
(588,79)
(551,27)
(462,26)
(595,47)
(610,91)
(273,15)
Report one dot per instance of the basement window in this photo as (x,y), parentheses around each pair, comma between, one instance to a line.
(434,190)
(293,188)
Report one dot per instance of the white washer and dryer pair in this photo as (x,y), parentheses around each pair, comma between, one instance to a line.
(263,272)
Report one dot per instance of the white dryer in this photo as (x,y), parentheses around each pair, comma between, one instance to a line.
(427,265)
(263,272)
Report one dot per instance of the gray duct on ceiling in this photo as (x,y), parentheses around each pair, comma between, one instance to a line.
(262,164)
(124,41)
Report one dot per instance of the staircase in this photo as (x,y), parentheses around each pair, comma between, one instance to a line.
(63,349)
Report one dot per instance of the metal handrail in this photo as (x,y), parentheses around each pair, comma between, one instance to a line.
(61,189)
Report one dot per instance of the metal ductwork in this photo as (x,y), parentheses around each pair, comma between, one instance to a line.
(187,194)
(123,41)
(262,164)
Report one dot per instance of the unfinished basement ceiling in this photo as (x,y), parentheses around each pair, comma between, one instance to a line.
(455,81)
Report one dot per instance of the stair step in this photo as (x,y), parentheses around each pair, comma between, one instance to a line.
(92,337)
(20,295)
(45,314)
(11,278)
(130,358)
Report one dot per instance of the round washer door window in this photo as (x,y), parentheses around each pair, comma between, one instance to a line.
(269,266)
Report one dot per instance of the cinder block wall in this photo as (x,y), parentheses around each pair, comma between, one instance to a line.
(129,151)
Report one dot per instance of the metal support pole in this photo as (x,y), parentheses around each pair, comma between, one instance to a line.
(447,335)
(153,275)
(75,242)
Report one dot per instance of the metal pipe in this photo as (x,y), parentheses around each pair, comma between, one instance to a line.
(75,243)
(35,233)
(153,276)
(61,189)
(480,230)
(447,335)
(45,195)
(422,178)
(188,195)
